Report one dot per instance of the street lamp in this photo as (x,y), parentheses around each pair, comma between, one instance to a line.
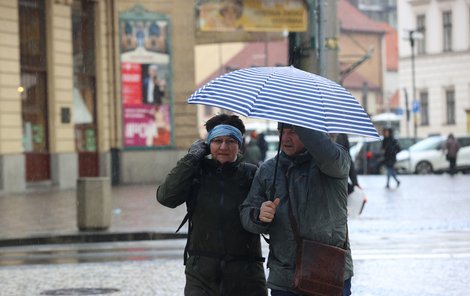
(412,36)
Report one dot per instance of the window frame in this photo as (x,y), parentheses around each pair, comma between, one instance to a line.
(447,31)
(424,110)
(421,27)
(450,105)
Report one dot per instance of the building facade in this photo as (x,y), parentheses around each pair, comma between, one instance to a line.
(73,101)
(436,75)
(362,56)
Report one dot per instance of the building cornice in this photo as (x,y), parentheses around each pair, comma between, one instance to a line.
(419,2)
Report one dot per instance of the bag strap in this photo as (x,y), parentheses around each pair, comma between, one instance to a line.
(295,226)
(293,222)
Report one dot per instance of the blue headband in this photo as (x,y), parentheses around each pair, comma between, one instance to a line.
(225,130)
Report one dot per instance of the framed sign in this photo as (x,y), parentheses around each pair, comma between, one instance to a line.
(252,15)
(146,79)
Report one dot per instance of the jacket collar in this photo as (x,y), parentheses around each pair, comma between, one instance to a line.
(213,164)
(295,160)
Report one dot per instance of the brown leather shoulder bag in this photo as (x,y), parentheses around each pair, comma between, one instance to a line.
(319,268)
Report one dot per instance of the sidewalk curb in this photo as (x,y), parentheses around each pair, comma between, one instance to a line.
(90,237)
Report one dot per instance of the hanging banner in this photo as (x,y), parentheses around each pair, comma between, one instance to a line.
(252,15)
(145,79)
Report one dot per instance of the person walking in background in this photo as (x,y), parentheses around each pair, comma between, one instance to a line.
(252,152)
(343,140)
(390,148)
(313,175)
(451,148)
(221,257)
(263,146)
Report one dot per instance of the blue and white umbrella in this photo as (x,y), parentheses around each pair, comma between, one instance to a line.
(288,95)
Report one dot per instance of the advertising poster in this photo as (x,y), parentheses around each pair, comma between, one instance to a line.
(145,78)
(252,15)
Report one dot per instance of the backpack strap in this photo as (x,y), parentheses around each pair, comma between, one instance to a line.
(191,201)
(190,207)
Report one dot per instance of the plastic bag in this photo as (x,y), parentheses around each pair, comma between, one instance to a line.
(356,202)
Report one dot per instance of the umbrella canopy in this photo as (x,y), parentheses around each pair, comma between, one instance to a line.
(289,95)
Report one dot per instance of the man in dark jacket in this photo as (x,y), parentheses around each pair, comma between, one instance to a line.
(313,174)
(390,148)
(224,258)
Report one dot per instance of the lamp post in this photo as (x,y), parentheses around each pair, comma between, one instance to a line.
(414,35)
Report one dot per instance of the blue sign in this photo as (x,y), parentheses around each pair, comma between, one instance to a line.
(415,107)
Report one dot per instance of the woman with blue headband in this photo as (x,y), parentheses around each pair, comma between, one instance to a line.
(221,257)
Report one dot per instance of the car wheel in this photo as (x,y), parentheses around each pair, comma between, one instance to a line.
(423,168)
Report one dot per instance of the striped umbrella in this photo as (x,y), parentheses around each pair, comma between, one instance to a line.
(288,95)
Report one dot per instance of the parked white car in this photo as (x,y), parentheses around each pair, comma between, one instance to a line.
(427,156)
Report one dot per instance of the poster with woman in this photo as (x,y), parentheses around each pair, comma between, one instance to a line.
(252,15)
(145,77)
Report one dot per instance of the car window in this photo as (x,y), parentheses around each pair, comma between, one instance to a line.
(465,141)
(354,150)
(375,146)
(428,144)
(406,143)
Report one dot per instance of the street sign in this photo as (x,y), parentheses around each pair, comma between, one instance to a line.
(415,107)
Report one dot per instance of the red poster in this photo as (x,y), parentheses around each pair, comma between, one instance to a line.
(131,83)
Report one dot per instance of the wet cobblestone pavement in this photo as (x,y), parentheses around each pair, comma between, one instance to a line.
(139,278)
(165,277)
(134,209)
(414,240)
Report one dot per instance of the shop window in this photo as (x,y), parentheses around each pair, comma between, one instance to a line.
(33,100)
(32,37)
(84,92)
(33,76)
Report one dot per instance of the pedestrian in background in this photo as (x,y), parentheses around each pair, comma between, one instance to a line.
(313,175)
(252,152)
(263,146)
(390,148)
(221,257)
(451,148)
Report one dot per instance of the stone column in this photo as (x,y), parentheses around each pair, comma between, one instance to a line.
(12,160)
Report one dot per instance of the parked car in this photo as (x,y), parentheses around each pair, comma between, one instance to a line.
(367,154)
(427,156)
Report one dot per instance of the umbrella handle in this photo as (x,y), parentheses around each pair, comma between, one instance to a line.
(273,186)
